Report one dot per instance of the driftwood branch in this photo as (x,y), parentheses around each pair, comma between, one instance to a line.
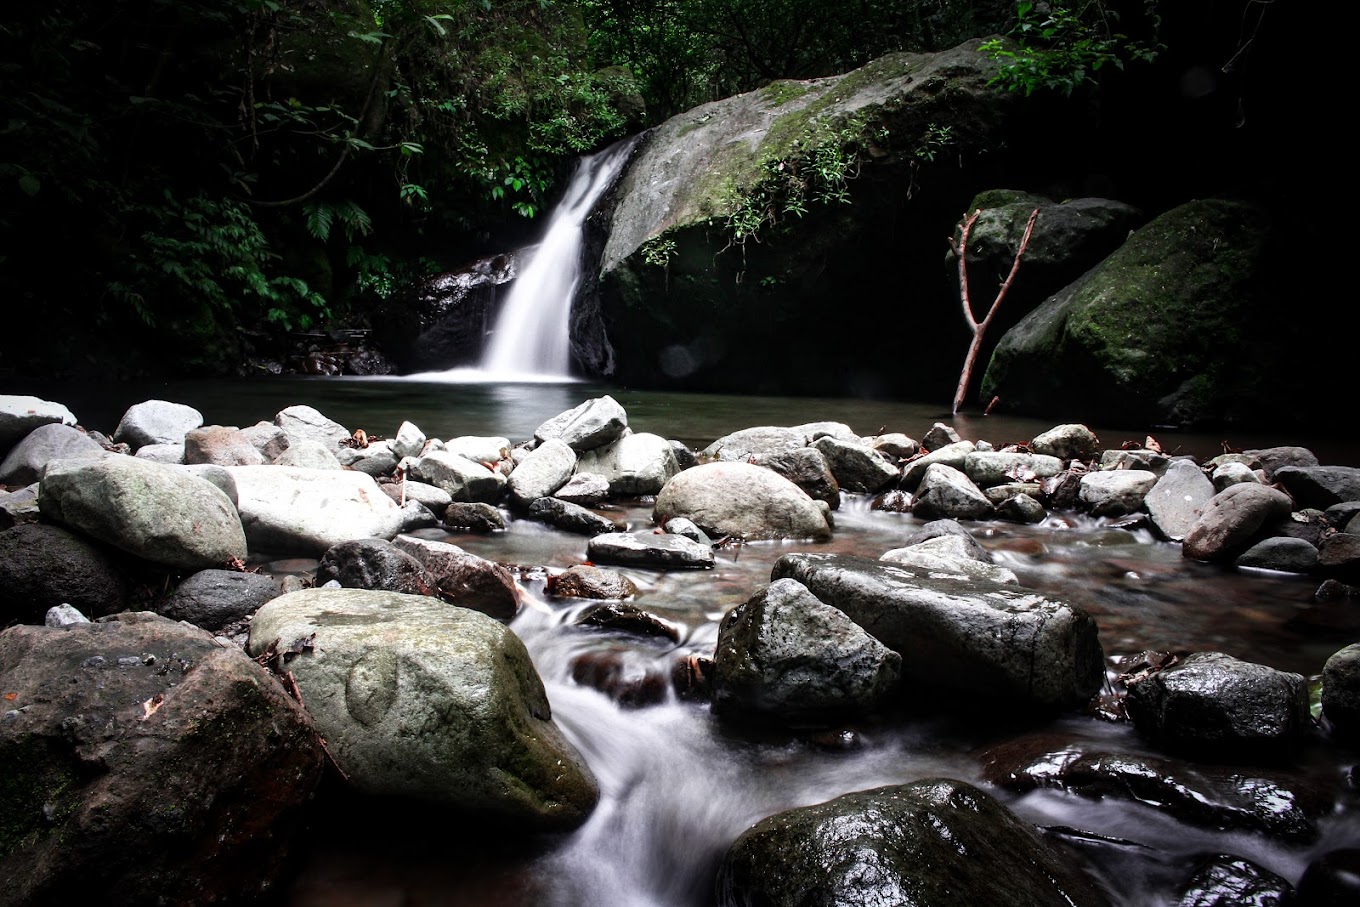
(979,328)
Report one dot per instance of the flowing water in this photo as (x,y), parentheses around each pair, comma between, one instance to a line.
(678,786)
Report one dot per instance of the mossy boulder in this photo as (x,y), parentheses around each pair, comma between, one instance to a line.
(1177,326)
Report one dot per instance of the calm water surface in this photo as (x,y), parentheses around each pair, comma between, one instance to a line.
(677,786)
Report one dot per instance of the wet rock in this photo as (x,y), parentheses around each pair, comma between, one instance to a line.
(1234,474)
(995,467)
(585,488)
(683,455)
(951,529)
(1135,458)
(134,742)
(464,578)
(474,517)
(158,513)
(743,501)
(894,445)
(1270,459)
(692,678)
(1286,554)
(1067,442)
(374,564)
(27,460)
(214,599)
(856,467)
(419,699)
(462,479)
(1021,508)
(307,511)
(21,414)
(681,526)
(939,436)
(1213,703)
(1319,486)
(938,841)
(220,445)
(42,566)
(1205,795)
(895,501)
(436,499)
(1309,525)
(1339,553)
(1177,499)
(299,422)
(946,493)
(1341,690)
(1223,880)
(785,656)
(1232,520)
(1331,880)
(545,470)
(629,620)
(950,555)
(593,424)
(761,442)
(628,678)
(634,465)
(572,517)
(156,422)
(807,468)
(953,455)
(960,639)
(1064,490)
(1115,492)
(648,549)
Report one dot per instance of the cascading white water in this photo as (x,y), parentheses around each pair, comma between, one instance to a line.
(532,335)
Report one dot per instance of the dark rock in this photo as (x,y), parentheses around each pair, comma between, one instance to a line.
(807,468)
(1270,459)
(1339,515)
(1331,880)
(856,467)
(895,501)
(939,436)
(1000,643)
(631,680)
(572,517)
(366,363)
(1213,703)
(629,620)
(649,549)
(213,599)
(683,455)
(1021,508)
(1290,555)
(24,463)
(584,581)
(1319,486)
(1232,521)
(1341,690)
(936,528)
(474,517)
(374,564)
(175,776)
(1339,554)
(1223,880)
(785,656)
(938,842)
(465,579)
(692,678)
(43,566)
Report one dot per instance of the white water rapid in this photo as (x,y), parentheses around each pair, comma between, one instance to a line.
(530,340)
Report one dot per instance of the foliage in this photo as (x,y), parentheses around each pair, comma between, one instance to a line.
(1063,44)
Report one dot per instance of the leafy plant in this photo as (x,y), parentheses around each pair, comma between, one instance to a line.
(1061,45)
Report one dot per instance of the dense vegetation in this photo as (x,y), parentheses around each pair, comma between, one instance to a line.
(182,182)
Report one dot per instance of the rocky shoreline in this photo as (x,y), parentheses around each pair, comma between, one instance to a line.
(169,710)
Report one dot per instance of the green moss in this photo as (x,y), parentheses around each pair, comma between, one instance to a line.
(783,91)
(39,789)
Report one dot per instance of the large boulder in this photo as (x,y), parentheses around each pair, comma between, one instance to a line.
(301,421)
(592,424)
(25,462)
(215,599)
(783,655)
(21,413)
(542,472)
(159,513)
(428,701)
(996,642)
(43,566)
(1178,498)
(1177,326)
(464,578)
(465,481)
(144,763)
(288,510)
(634,465)
(156,422)
(744,501)
(936,842)
(1233,519)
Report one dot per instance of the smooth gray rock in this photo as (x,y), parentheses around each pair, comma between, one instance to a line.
(681,526)
(961,639)
(1279,553)
(1216,704)
(21,413)
(1020,508)
(377,459)
(1319,486)
(1178,498)
(995,467)
(214,475)
(1233,519)
(742,501)
(270,440)
(938,437)
(1116,492)
(1233,474)
(950,556)
(213,599)
(1151,460)
(936,842)
(572,517)
(894,444)
(593,424)
(760,442)
(462,479)
(856,467)
(1070,441)
(649,550)
(585,488)
(970,547)
(634,465)
(156,422)
(159,513)
(301,421)
(409,441)
(946,493)
(475,517)
(307,511)
(437,499)
(479,449)
(542,473)
(172,454)
(424,700)
(784,656)
(305,453)
(952,455)
(1273,458)
(220,445)
(47,443)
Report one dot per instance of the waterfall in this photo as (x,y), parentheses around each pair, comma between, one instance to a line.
(531,338)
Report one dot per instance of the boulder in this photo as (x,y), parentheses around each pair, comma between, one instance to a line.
(1278,553)
(994,467)
(939,437)
(428,701)
(221,445)
(270,440)
(1116,492)
(462,479)
(856,467)
(436,499)
(953,455)
(487,450)
(464,578)
(593,424)
(1020,508)
(1213,703)
(145,763)
(585,488)
(1318,486)
(215,599)
(25,462)
(572,517)
(634,465)
(156,422)
(299,422)
(1270,459)
(409,441)
(946,493)
(475,517)
(761,442)
(1069,441)
(949,556)
(542,473)
(808,469)
(742,501)
(960,639)
(1223,880)
(1232,520)
(938,842)
(1178,498)
(584,581)
(647,549)
(287,510)
(784,656)
(172,454)
(43,566)
(374,564)
(21,413)
(158,513)
(305,453)
(1341,690)
(1233,474)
